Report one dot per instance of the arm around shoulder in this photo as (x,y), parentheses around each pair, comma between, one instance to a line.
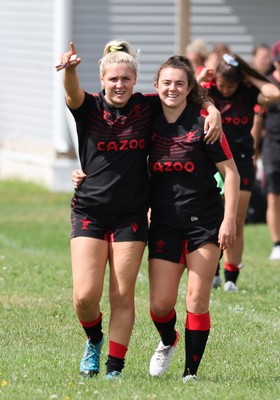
(269,93)
(213,122)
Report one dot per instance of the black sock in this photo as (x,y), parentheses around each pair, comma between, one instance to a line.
(276,244)
(93,330)
(218,270)
(231,276)
(195,342)
(196,336)
(166,327)
(114,364)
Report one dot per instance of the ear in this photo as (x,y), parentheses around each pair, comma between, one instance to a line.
(156,85)
(101,79)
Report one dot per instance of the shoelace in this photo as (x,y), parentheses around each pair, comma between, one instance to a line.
(162,355)
(90,353)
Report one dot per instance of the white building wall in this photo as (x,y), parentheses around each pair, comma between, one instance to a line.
(30,144)
(26,70)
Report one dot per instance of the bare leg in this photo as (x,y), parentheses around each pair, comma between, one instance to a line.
(89,258)
(164,279)
(125,260)
(273,216)
(233,255)
(202,265)
(273,222)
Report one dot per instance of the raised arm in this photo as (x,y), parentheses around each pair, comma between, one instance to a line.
(74,93)
(205,75)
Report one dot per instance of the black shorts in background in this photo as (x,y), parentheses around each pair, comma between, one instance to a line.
(247,174)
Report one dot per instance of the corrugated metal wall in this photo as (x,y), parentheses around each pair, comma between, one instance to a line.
(241,24)
(26,35)
(149,25)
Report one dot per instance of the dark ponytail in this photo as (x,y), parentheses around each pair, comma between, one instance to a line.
(234,69)
(245,67)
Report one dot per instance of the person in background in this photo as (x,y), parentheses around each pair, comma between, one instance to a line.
(215,55)
(260,61)
(197,53)
(214,58)
(109,208)
(236,89)
(271,159)
(189,223)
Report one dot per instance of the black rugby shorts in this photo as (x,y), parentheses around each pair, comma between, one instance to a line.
(271,165)
(272,182)
(110,227)
(170,244)
(247,173)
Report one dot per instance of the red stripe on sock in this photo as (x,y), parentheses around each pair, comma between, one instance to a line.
(198,322)
(117,350)
(89,324)
(165,318)
(231,267)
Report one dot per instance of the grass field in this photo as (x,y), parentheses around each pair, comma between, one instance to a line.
(41,342)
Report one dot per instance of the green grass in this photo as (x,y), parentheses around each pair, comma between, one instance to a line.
(41,342)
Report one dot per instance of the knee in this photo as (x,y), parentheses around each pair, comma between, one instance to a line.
(161,307)
(197,302)
(82,301)
(121,300)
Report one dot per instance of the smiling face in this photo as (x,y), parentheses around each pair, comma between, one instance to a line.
(173,88)
(118,81)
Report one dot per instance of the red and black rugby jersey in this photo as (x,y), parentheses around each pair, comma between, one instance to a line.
(237,113)
(113,148)
(182,166)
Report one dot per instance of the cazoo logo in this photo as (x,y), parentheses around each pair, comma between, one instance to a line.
(235,120)
(169,166)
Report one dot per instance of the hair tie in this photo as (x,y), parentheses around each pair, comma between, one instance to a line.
(117,48)
(230,60)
